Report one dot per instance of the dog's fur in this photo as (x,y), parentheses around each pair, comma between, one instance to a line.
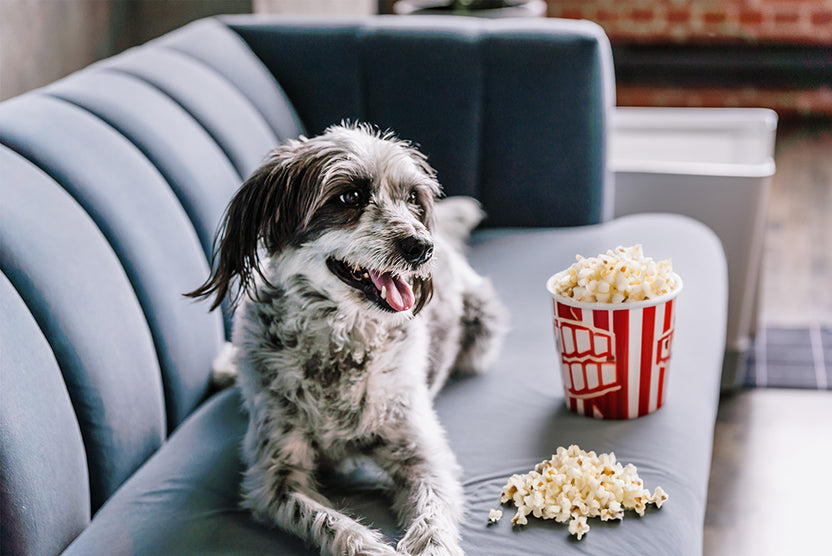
(327,368)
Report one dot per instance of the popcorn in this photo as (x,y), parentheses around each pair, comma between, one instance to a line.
(659,497)
(574,485)
(494,516)
(621,275)
(578,527)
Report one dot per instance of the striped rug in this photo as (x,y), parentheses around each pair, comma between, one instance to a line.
(791,358)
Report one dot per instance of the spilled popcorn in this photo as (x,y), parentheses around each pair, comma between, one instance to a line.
(620,275)
(575,485)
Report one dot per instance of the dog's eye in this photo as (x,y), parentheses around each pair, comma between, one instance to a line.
(350,198)
(413,197)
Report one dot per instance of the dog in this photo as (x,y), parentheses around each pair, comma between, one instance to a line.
(354,303)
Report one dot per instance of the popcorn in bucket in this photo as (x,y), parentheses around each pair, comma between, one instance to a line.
(613,321)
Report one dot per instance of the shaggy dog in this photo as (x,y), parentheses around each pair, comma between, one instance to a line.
(335,246)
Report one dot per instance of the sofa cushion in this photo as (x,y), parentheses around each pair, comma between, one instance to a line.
(212,43)
(520,403)
(316,61)
(96,329)
(537,149)
(144,223)
(238,128)
(400,63)
(185,500)
(42,462)
(192,163)
(533,122)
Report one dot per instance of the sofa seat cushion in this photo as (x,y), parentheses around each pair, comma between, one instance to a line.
(514,417)
(185,499)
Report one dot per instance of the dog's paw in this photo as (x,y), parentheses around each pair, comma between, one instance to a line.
(358,548)
(429,541)
(360,541)
(431,547)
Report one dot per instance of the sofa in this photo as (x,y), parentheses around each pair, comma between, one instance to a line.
(113,181)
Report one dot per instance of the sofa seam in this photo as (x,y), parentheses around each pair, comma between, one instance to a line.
(293,112)
(146,155)
(191,115)
(145,306)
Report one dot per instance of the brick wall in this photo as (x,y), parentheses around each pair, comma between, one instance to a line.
(792,21)
(806,23)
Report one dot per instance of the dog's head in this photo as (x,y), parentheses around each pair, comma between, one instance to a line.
(353,202)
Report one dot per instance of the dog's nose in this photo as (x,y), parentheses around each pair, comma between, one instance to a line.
(416,250)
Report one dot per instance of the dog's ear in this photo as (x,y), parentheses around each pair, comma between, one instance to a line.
(262,214)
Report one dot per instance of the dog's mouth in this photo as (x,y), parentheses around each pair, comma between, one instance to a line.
(388,291)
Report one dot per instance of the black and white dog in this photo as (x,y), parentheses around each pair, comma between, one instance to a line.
(335,247)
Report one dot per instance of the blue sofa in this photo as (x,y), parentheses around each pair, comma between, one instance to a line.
(113,181)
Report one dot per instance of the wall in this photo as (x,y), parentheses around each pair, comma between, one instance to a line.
(44,40)
(329,7)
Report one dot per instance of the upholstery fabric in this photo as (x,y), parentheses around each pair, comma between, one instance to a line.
(315,61)
(498,106)
(92,321)
(415,76)
(239,129)
(42,461)
(143,221)
(212,43)
(197,170)
(184,501)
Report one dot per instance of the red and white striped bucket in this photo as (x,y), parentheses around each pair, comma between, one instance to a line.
(614,357)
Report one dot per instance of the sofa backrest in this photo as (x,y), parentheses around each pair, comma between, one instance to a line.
(112,183)
(512,111)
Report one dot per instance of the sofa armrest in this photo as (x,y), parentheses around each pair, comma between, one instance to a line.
(513,112)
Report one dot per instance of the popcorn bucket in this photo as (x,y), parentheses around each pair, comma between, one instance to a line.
(614,358)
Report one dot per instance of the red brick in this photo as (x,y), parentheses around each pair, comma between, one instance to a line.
(713,18)
(823,17)
(642,15)
(606,16)
(678,16)
(751,17)
(786,17)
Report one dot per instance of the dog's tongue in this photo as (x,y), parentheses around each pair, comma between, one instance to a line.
(399,294)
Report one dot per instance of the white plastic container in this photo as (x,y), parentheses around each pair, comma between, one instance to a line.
(712,164)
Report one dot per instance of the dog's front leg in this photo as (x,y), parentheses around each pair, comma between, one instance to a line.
(279,488)
(428,495)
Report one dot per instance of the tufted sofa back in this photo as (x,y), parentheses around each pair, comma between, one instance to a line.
(476,95)
(112,182)
(114,179)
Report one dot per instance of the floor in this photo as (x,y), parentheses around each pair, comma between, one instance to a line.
(773,447)
(798,259)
